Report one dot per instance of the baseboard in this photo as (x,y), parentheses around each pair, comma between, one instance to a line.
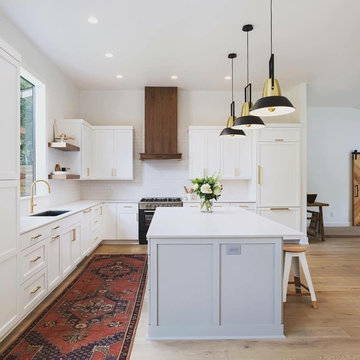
(337,224)
(120,242)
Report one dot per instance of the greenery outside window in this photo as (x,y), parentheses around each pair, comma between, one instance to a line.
(27,136)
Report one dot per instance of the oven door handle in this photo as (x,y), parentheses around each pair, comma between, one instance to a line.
(149,211)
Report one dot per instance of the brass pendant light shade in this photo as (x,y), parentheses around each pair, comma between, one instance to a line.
(229,131)
(272,102)
(247,120)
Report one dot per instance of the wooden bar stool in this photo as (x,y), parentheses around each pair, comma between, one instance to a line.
(293,254)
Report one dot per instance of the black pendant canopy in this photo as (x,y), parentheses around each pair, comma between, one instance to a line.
(247,121)
(272,102)
(228,131)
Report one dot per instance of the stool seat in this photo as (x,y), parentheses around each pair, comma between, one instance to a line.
(294,248)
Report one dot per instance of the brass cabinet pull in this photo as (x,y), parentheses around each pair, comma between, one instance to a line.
(115,171)
(35,237)
(279,209)
(87,171)
(259,174)
(37,289)
(279,139)
(96,238)
(73,234)
(194,206)
(86,211)
(55,228)
(100,210)
(127,206)
(55,237)
(218,206)
(36,259)
(96,221)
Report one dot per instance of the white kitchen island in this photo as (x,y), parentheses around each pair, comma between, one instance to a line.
(215,276)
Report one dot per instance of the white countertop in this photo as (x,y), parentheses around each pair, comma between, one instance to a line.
(226,222)
(220,201)
(28,223)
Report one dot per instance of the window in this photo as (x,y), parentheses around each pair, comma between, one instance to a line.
(33,135)
(27,136)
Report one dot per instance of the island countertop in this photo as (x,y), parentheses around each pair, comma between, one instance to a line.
(226,222)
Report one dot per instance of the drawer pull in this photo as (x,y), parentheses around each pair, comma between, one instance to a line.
(55,237)
(100,210)
(96,238)
(73,235)
(36,259)
(96,221)
(259,174)
(218,206)
(279,139)
(36,237)
(35,290)
(279,209)
(127,206)
(55,228)
(194,206)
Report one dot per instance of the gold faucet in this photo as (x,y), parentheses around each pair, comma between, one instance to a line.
(32,204)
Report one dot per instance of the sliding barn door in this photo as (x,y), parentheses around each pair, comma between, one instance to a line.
(356,184)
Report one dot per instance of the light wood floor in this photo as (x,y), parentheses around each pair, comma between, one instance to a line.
(332,332)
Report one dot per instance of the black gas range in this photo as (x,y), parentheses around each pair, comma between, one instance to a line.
(147,207)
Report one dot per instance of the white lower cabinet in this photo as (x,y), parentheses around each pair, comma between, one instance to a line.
(54,266)
(85,232)
(8,294)
(126,226)
(75,238)
(286,216)
(65,256)
(108,221)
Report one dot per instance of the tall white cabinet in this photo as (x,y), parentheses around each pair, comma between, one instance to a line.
(9,185)
(279,177)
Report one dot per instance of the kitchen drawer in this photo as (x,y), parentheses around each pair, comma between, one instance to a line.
(287,216)
(219,204)
(32,260)
(33,290)
(95,224)
(55,229)
(280,135)
(127,207)
(246,206)
(34,236)
(95,211)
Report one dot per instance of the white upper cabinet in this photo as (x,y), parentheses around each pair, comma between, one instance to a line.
(86,152)
(9,113)
(209,153)
(113,152)
(236,157)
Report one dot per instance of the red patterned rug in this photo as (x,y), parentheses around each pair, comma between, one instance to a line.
(94,318)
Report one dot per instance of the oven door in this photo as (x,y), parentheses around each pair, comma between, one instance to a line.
(145,217)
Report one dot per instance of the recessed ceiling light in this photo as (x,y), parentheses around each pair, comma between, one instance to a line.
(227,77)
(174,77)
(119,76)
(109,55)
(93,20)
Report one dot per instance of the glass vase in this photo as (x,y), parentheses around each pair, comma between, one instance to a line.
(206,206)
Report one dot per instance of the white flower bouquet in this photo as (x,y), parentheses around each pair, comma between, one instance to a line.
(208,189)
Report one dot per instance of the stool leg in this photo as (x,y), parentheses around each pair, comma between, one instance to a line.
(296,271)
(287,265)
(305,267)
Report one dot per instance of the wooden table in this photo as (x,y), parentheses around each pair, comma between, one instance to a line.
(320,205)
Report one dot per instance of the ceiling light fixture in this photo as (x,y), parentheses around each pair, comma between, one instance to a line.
(228,131)
(109,55)
(93,20)
(272,102)
(247,121)
(174,77)
(119,76)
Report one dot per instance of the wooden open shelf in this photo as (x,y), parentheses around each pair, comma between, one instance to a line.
(63,146)
(64,177)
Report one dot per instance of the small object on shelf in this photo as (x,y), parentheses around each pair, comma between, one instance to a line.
(57,167)
(311,198)
(64,146)
(64,176)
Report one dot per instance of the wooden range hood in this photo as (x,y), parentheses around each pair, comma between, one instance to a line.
(160,124)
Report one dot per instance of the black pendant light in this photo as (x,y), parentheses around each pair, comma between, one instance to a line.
(247,121)
(228,131)
(272,102)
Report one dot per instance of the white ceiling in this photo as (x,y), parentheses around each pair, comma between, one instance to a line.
(314,42)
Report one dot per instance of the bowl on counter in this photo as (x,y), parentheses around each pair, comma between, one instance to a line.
(311,198)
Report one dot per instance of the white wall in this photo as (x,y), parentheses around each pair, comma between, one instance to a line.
(333,133)
(156,177)
(62,101)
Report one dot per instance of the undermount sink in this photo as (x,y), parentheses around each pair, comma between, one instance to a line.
(51,213)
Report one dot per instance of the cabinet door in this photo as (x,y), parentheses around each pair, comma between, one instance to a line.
(9,217)
(104,154)
(127,226)
(66,264)
(8,293)
(286,216)
(123,154)
(278,174)
(54,266)
(197,154)
(75,237)
(108,221)
(86,151)
(213,163)
(9,115)
(86,238)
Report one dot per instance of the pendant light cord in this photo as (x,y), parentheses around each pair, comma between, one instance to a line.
(247,57)
(271,27)
(232,80)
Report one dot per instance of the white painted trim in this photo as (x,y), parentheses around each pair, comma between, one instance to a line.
(337,224)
